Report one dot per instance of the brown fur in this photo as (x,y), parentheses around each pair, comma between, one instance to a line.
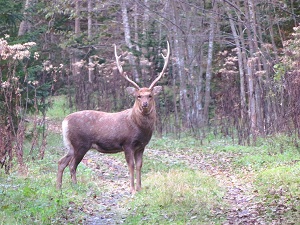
(129,131)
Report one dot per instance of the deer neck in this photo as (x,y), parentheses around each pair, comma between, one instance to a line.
(145,119)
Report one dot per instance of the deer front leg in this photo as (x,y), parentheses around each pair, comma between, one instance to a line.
(130,162)
(138,156)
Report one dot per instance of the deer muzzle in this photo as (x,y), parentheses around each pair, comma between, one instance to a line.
(145,104)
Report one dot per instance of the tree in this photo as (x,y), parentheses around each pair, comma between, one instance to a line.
(25,25)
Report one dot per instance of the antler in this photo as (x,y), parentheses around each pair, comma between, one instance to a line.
(166,59)
(121,69)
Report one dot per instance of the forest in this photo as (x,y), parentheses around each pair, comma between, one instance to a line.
(233,76)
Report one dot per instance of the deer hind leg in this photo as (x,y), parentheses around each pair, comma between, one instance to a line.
(64,161)
(76,159)
(62,164)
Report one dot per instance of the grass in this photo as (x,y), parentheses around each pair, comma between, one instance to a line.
(59,108)
(286,177)
(27,201)
(279,190)
(32,198)
(166,143)
(177,197)
(273,163)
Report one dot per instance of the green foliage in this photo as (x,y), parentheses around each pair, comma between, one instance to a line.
(286,177)
(280,71)
(30,202)
(10,16)
(24,91)
(262,159)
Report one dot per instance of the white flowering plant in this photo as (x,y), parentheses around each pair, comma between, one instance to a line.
(24,86)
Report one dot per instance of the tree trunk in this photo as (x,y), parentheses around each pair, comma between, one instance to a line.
(136,27)
(199,92)
(180,65)
(146,17)
(208,74)
(90,24)
(240,63)
(177,124)
(251,68)
(126,27)
(25,25)
(79,95)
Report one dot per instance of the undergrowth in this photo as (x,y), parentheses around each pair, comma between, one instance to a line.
(31,197)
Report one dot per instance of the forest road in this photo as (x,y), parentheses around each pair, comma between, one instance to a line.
(113,172)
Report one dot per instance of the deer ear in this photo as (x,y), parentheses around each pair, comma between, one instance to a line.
(131,90)
(156,90)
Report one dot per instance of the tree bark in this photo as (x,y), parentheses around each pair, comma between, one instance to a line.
(208,74)
(136,27)
(79,95)
(240,63)
(180,65)
(127,37)
(146,17)
(90,24)
(25,25)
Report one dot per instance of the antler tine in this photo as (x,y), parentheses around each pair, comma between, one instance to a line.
(166,59)
(120,68)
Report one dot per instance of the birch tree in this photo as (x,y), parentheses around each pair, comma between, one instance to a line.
(180,65)
(208,74)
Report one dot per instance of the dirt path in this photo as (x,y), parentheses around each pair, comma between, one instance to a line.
(240,193)
(113,173)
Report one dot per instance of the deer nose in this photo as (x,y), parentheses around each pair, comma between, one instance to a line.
(145,104)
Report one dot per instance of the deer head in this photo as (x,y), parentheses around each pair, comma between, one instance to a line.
(144,100)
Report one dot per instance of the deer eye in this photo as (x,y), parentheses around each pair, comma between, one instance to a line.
(139,96)
(150,96)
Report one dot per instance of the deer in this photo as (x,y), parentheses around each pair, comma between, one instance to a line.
(128,131)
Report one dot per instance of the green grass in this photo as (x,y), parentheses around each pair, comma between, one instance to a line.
(273,163)
(31,198)
(166,143)
(286,177)
(177,197)
(261,159)
(279,191)
(59,109)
